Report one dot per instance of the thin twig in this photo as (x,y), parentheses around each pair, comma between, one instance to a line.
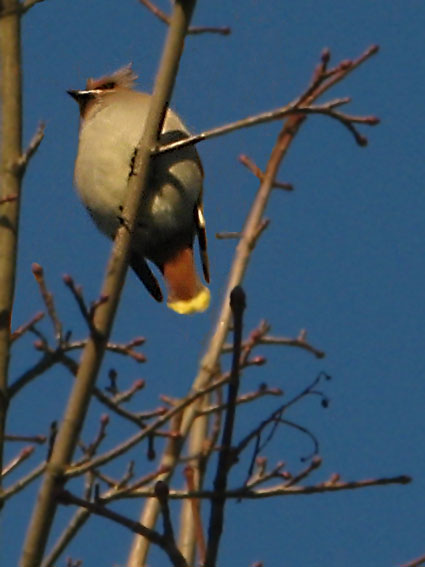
(28,4)
(77,521)
(33,146)
(48,360)
(161,492)
(243,399)
(415,562)
(8,198)
(153,536)
(225,458)
(291,109)
(282,490)
(17,333)
(23,482)
(39,439)
(10,190)
(23,455)
(253,168)
(196,512)
(138,437)
(209,365)
(47,296)
(164,18)
(227,235)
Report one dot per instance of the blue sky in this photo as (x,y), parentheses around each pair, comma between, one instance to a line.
(342,258)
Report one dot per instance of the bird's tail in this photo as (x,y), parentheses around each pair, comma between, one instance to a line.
(186,293)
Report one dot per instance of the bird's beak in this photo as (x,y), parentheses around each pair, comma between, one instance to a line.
(76,95)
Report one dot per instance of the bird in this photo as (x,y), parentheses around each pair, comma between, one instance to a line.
(112,117)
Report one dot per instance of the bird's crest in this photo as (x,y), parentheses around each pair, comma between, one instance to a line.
(124,78)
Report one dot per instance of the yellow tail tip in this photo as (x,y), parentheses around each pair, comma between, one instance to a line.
(197,304)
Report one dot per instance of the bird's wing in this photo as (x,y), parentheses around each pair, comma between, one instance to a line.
(144,273)
(202,238)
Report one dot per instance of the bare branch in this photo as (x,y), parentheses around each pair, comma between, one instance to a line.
(226,456)
(415,562)
(26,326)
(47,296)
(243,399)
(28,4)
(39,439)
(48,360)
(138,437)
(196,512)
(299,342)
(292,109)
(33,146)
(164,18)
(10,150)
(16,461)
(23,482)
(227,235)
(8,199)
(253,168)
(153,536)
(75,524)
(243,493)
(209,365)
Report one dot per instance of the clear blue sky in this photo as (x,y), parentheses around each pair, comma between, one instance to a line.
(343,258)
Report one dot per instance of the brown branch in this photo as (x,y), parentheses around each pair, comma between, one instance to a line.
(196,512)
(299,342)
(47,296)
(227,235)
(282,490)
(23,482)
(28,4)
(262,476)
(165,19)
(161,492)
(209,365)
(275,418)
(296,108)
(39,439)
(87,313)
(226,456)
(153,536)
(78,403)
(33,146)
(8,199)
(312,466)
(77,521)
(255,170)
(17,333)
(23,455)
(90,450)
(243,399)
(113,405)
(415,562)
(124,349)
(10,151)
(48,360)
(138,437)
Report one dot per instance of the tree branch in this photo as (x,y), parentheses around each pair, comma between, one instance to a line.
(225,459)
(165,19)
(92,356)
(10,152)
(209,364)
(153,536)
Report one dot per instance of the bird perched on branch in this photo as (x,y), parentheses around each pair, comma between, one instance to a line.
(112,120)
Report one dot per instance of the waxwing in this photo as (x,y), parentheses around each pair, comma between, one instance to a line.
(112,117)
